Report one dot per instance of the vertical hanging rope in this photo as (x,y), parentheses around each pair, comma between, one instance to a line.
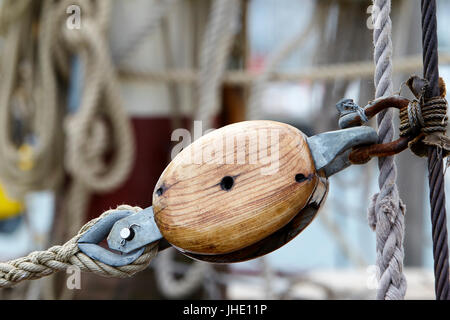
(435,166)
(216,46)
(386,213)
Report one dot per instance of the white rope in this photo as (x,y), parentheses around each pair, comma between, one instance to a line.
(169,285)
(216,46)
(386,213)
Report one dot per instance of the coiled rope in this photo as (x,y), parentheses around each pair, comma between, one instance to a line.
(99,124)
(386,212)
(88,134)
(77,143)
(35,92)
(174,287)
(40,264)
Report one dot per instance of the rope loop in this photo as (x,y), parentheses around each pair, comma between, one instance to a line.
(39,264)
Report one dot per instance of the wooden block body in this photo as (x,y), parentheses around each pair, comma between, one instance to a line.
(234,187)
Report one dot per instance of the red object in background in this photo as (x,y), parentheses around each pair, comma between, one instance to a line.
(153,145)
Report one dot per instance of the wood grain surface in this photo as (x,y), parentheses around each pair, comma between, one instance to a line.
(216,197)
(277,239)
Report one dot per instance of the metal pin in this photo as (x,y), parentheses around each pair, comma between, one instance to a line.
(127,233)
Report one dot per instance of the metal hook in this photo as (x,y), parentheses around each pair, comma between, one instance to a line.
(88,243)
(331,150)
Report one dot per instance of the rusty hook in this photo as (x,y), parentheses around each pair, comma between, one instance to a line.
(352,115)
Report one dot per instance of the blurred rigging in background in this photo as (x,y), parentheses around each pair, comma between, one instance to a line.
(87,123)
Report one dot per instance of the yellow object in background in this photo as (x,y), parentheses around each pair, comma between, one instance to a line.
(26,157)
(8,207)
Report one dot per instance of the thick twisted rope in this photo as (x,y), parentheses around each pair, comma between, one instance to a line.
(40,264)
(386,213)
(435,165)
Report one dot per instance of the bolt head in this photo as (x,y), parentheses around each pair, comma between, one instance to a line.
(125,233)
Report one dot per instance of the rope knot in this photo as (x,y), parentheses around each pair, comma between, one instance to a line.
(425,118)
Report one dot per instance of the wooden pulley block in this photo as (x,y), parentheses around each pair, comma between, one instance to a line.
(235,194)
(248,188)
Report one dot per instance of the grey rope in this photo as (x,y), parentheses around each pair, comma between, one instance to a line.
(386,213)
